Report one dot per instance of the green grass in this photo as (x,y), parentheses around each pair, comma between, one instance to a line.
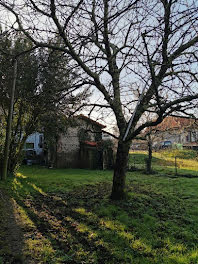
(182,154)
(68,218)
(59,180)
(164,162)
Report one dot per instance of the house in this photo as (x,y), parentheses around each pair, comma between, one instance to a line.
(176,130)
(35,142)
(80,146)
(33,149)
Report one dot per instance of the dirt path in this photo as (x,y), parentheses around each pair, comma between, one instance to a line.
(11,234)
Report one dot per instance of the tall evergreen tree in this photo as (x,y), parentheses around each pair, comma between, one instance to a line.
(43,98)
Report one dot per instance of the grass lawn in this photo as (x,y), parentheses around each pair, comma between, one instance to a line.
(65,216)
(164,162)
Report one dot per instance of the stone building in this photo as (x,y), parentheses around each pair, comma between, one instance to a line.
(80,145)
(176,130)
(173,131)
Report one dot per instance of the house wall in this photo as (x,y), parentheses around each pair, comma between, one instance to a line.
(173,136)
(68,148)
(90,158)
(35,139)
(68,145)
(177,136)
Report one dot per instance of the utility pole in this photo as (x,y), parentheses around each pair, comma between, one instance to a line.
(9,123)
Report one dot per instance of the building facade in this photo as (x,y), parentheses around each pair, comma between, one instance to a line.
(79,146)
(176,130)
(35,142)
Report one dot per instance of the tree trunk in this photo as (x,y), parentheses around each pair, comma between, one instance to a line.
(16,155)
(149,160)
(9,124)
(119,178)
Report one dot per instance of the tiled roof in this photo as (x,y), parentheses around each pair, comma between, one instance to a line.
(175,122)
(91,120)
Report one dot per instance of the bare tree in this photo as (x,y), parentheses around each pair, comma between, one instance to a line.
(123,48)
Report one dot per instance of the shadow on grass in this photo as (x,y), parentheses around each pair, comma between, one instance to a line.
(11,235)
(55,220)
(83,226)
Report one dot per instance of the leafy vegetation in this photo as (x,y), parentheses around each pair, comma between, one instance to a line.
(67,217)
(44,98)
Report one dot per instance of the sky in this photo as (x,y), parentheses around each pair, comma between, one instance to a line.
(129,78)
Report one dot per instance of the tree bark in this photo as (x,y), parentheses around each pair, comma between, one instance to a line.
(119,178)
(149,160)
(16,156)
(9,124)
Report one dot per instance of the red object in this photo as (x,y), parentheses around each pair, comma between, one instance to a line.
(91,143)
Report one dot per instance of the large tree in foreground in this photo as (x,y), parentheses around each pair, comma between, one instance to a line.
(126,49)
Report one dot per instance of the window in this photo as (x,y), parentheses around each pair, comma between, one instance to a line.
(29,145)
(40,139)
(40,144)
(188,137)
(194,136)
